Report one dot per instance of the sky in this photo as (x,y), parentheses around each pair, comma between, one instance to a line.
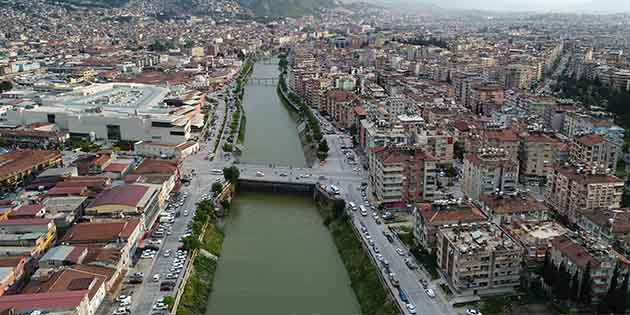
(534,5)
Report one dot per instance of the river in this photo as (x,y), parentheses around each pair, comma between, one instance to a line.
(271,135)
(278,258)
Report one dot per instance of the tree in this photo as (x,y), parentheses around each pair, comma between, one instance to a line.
(548,270)
(191,243)
(169,301)
(459,150)
(231,174)
(574,291)
(323,146)
(225,204)
(621,304)
(586,288)
(609,300)
(5,86)
(217,188)
(625,198)
(322,155)
(339,208)
(560,288)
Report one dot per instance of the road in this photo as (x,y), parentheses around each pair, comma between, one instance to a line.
(146,294)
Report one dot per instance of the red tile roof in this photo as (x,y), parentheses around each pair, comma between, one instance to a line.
(26,211)
(127,194)
(575,252)
(590,140)
(116,167)
(28,221)
(43,301)
(20,161)
(101,232)
(459,214)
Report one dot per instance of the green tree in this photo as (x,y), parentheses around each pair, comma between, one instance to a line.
(191,242)
(5,86)
(322,155)
(586,287)
(323,146)
(574,291)
(560,288)
(231,174)
(339,208)
(548,270)
(459,150)
(169,301)
(225,204)
(621,303)
(217,188)
(625,198)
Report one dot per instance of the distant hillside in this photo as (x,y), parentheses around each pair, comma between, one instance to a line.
(95,3)
(293,8)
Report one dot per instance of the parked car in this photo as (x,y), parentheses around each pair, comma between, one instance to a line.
(430,293)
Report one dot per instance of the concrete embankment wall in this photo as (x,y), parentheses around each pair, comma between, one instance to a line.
(318,193)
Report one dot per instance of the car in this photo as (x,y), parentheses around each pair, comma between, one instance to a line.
(125,303)
(139,274)
(401,252)
(471,311)
(172,276)
(411,308)
(156,277)
(159,306)
(122,311)
(122,298)
(424,283)
(260,174)
(371,242)
(403,296)
(376,250)
(430,293)
(379,257)
(185,213)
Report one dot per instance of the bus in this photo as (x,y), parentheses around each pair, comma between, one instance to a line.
(216,172)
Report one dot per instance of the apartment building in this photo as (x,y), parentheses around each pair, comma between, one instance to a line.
(504,208)
(479,258)
(503,138)
(535,237)
(536,156)
(401,175)
(571,188)
(577,253)
(486,98)
(340,107)
(595,150)
(429,217)
(489,171)
(519,76)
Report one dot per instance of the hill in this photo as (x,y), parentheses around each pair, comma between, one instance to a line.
(293,8)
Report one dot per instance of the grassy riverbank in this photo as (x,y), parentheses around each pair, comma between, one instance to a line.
(372,296)
(199,286)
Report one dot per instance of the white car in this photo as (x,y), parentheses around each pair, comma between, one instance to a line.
(156,277)
(401,252)
(122,311)
(411,308)
(260,174)
(471,311)
(159,306)
(430,293)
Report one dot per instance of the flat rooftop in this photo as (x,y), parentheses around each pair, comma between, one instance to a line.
(475,237)
(124,98)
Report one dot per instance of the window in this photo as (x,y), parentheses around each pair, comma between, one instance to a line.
(113,132)
(161,124)
(177,133)
(51,118)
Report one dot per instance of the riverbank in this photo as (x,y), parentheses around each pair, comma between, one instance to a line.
(364,276)
(205,252)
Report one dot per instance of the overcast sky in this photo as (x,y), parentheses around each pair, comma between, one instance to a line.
(531,5)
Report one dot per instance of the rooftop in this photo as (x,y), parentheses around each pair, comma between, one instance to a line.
(473,238)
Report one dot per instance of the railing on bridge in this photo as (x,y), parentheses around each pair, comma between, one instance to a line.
(271,81)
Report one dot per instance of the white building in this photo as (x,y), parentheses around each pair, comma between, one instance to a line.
(113,111)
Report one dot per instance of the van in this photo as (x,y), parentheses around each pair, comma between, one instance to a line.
(352,206)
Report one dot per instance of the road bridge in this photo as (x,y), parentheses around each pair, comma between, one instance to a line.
(266,81)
